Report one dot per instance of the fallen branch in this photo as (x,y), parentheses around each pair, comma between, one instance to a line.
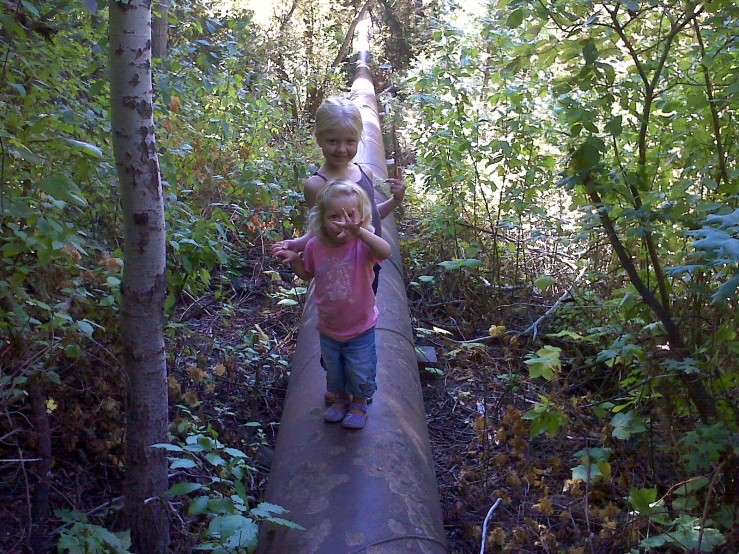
(485,525)
(534,326)
(567,294)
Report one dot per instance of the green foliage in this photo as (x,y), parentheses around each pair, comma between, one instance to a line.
(544,416)
(545,363)
(706,444)
(84,537)
(685,532)
(231,159)
(720,249)
(219,474)
(644,502)
(626,424)
(594,466)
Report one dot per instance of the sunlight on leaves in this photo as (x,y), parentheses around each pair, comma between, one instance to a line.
(545,362)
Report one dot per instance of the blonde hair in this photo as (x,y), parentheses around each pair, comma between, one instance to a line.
(338,113)
(335,190)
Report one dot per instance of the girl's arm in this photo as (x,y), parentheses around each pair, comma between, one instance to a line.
(378,246)
(311,188)
(296,245)
(397,189)
(296,262)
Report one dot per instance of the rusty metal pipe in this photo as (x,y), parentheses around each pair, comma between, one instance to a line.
(371,491)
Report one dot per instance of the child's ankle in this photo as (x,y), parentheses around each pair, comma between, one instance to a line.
(359,400)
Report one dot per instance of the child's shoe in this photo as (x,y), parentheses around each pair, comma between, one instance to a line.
(337,410)
(355,421)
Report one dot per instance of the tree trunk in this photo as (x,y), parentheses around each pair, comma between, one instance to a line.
(697,391)
(160,30)
(144,284)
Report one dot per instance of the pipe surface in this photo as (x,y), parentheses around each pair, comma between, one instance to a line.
(371,491)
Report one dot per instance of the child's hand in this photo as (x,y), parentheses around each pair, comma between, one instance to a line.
(286,256)
(278,247)
(397,186)
(350,228)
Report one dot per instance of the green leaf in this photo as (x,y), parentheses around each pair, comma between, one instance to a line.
(235,452)
(198,506)
(265,509)
(182,463)
(586,473)
(87,148)
(460,263)
(31,9)
(168,447)
(183,488)
(594,453)
(614,126)
(62,187)
(223,506)
(215,459)
(285,523)
(625,424)
(642,499)
(543,421)
(18,88)
(515,18)
(544,282)
(85,327)
(238,530)
(685,503)
(726,291)
(686,365)
(590,52)
(545,362)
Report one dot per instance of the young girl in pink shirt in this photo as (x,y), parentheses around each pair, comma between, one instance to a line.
(338,131)
(341,256)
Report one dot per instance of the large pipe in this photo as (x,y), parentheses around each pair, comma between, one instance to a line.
(371,491)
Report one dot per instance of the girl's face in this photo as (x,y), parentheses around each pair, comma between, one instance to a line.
(334,214)
(339,147)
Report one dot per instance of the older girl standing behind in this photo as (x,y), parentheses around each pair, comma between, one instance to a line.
(341,257)
(338,130)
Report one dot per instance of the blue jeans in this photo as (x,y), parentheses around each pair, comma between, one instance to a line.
(351,366)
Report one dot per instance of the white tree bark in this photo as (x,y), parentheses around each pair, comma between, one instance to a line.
(144,284)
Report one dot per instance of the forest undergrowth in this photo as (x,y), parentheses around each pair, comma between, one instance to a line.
(228,361)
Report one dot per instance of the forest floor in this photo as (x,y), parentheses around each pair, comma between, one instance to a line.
(228,362)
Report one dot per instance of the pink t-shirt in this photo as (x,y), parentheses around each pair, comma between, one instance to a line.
(343,293)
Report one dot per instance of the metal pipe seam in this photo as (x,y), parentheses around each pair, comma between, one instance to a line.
(371,491)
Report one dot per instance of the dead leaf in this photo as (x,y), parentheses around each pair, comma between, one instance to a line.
(497,330)
(190,398)
(219,370)
(113,265)
(262,335)
(173,386)
(544,506)
(196,374)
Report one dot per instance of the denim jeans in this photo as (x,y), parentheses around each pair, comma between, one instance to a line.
(351,366)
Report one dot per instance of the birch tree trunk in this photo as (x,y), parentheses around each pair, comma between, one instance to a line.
(144,282)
